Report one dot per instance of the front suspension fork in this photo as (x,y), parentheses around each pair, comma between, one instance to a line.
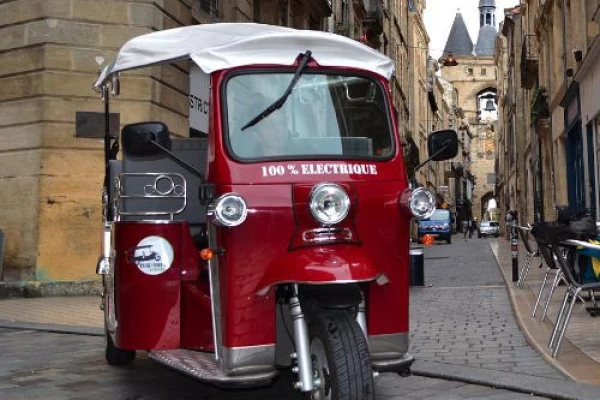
(302,343)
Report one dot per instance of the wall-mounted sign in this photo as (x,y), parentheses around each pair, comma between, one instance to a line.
(92,124)
(199,99)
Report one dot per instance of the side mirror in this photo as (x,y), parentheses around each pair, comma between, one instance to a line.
(442,145)
(360,90)
(145,138)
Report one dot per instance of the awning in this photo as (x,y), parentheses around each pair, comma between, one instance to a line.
(215,47)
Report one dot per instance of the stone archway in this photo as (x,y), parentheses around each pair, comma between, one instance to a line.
(489,207)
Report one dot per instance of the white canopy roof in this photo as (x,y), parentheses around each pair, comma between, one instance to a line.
(226,45)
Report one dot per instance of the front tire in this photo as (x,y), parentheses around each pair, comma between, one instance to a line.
(341,357)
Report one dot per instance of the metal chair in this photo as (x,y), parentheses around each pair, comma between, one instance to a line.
(566,257)
(523,233)
(552,268)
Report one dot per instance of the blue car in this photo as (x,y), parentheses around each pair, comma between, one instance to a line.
(438,225)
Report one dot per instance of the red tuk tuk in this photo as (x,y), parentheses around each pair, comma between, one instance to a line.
(277,233)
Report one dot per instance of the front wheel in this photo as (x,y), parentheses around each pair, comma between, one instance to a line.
(340,357)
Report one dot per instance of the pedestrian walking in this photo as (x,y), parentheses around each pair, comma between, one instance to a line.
(508,221)
(465,228)
(472,227)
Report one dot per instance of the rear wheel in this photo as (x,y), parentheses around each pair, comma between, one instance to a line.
(340,357)
(115,356)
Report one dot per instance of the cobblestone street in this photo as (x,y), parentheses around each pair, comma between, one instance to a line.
(463,335)
(468,319)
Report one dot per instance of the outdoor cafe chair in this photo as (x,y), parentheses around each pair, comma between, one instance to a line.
(523,233)
(570,263)
(552,268)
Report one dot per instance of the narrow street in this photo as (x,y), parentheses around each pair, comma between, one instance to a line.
(463,315)
(50,366)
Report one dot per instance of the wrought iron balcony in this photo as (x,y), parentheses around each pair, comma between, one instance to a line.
(374,18)
(539,108)
(529,61)
(360,8)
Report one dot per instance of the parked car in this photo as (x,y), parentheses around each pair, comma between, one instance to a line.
(438,226)
(488,228)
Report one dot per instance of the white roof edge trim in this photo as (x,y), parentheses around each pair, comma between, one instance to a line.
(220,46)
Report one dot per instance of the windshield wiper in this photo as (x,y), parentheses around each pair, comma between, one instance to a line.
(280,101)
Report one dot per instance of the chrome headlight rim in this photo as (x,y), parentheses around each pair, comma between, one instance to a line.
(318,209)
(419,198)
(219,210)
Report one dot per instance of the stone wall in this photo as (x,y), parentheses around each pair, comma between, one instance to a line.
(50,180)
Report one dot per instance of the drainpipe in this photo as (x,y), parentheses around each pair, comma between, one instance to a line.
(564,54)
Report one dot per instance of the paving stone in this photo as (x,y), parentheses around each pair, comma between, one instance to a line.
(468,286)
(463,318)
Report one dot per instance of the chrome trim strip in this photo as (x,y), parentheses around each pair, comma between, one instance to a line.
(361,317)
(389,352)
(215,293)
(251,359)
(390,345)
(204,367)
(151,221)
(262,291)
(108,294)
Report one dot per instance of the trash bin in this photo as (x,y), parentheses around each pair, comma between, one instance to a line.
(417,273)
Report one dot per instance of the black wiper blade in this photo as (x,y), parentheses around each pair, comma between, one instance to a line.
(277,104)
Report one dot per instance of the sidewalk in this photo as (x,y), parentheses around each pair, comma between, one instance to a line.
(75,314)
(579,356)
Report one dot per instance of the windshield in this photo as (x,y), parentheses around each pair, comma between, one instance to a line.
(490,223)
(440,215)
(325,116)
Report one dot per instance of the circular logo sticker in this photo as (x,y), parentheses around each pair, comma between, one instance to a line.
(153,255)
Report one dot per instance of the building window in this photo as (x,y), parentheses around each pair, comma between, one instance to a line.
(256,10)
(470,71)
(491,179)
(283,13)
(483,72)
(345,13)
(211,7)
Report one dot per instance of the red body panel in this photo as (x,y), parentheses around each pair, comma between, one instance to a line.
(147,307)
(257,255)
(160,311)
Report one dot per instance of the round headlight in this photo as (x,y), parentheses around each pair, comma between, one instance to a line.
(329,203)
(227,210)
(421,203)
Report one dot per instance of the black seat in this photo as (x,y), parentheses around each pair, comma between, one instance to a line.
(552,268)
(523,233)
(570,264)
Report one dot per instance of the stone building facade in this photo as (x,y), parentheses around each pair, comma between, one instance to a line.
(549,56)
(474,78)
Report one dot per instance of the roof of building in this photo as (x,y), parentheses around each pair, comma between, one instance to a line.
(487,3)
(485,41)
(220,46)
(459,42)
